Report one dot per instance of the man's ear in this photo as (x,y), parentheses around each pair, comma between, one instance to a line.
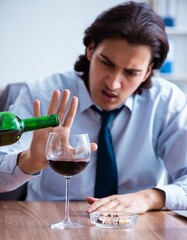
(89,51)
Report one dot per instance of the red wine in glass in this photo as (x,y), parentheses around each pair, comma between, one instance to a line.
(68,167)
(67,157)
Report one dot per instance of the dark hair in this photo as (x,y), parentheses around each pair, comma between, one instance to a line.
(135,22)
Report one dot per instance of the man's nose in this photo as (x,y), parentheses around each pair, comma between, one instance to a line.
(113,81)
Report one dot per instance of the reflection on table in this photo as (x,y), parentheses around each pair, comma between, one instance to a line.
(32,220)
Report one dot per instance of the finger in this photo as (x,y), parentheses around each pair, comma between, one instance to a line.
(94,147)
(118,208)
(98,204)
(109,206)
(84,148)
(36,108)
(63,104)
(91,200)
(71,113)
(54,102)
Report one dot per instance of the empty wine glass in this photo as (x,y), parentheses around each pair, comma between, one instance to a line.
(67,158)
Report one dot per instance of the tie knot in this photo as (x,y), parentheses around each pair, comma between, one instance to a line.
(107,116)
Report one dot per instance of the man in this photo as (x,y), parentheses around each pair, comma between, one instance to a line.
(123,47)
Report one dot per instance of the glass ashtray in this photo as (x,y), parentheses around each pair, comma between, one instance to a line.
(113,219)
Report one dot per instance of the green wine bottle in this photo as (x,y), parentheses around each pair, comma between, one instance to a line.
(12,127)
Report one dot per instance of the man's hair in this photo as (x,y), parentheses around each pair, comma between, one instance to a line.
(134,22)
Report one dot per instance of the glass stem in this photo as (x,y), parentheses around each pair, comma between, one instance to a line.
(67,199)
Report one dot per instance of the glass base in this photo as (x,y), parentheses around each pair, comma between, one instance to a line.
(65,224)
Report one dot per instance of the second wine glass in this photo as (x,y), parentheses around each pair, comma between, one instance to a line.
(67,158)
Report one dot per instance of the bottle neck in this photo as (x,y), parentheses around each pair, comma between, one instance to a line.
(31,124)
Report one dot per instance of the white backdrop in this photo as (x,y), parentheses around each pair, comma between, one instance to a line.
(40,37)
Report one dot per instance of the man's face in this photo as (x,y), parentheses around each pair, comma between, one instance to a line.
(117,69)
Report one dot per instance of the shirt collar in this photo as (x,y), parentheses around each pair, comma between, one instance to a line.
(129,102)
(85,100)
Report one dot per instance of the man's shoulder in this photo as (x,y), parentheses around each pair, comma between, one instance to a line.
(165,87)
(54,81)
(167,93)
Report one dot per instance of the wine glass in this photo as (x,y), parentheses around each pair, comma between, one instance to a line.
(67,158)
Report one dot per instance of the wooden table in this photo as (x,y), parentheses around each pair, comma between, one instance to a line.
(31,221)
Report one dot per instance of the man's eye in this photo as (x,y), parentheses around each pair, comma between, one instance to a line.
(107,64)
(131,73)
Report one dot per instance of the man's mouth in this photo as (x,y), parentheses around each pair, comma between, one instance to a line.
(109,96)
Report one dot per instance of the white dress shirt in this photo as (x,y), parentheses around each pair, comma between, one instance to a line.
(149,136)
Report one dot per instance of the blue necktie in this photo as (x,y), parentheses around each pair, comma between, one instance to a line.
(106,183)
